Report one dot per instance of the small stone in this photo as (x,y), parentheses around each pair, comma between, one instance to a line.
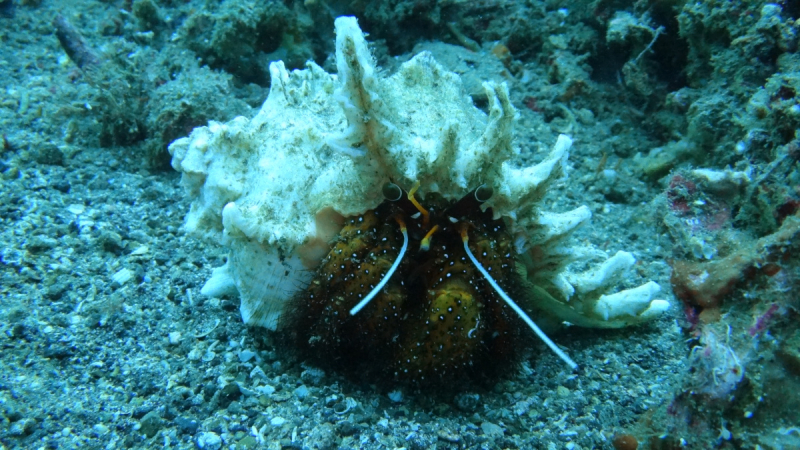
(449,436)
(141,250)
(209,440)
(562,392)
(396,396)
(175,338)
(122,277)
(248,442)
(187,425)
(277,421)
(198,400)
(301,392)
(491,429)
(194,354)
(76,209)
(100,429)
(151,423)
(265,390)
(246,355)
(22,427)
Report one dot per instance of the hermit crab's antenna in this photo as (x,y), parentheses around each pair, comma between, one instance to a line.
(514,306)
(389,273)
(425,214)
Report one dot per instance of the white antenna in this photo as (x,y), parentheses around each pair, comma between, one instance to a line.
(386,277)
(515,307)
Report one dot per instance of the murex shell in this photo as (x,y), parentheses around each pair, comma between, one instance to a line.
(275,189)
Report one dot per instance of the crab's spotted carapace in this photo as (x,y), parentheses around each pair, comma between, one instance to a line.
(416,291)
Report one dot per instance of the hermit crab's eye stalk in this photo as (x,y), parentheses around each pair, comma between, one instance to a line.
(389,273)
(470,202)
(513,305)
(395,194)
(392,192)
(483,193)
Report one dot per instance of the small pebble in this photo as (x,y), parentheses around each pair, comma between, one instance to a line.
(265,390)
(22,427)
(186,425)
(491,429)
(100,429)
(122,277)
(76,209)
(301,392)
(151,423)
(209,440)
(448,436)
(175,337)
(246,355)
(277,421)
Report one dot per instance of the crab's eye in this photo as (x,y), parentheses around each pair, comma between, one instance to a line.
(405,200)
(483,193)
(469,203)
(392,192)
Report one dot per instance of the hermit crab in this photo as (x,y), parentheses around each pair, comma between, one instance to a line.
(347,268)
(416,293)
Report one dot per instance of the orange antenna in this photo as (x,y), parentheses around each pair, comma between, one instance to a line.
(425,244)
(423,211)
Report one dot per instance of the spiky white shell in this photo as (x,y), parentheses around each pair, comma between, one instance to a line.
(321,147)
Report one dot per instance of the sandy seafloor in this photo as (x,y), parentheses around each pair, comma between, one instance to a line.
(106,342)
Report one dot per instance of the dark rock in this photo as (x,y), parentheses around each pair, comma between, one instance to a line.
(22,427)
(346,428)
(50,154)
(228,394)
(186,425)
(62,186)
(151,423)
(58,351)
(141,411)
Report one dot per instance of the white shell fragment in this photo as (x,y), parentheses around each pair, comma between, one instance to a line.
(274,189)
(122,276)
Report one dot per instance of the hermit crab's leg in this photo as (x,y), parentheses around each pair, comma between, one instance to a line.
(389,273)
(513,305)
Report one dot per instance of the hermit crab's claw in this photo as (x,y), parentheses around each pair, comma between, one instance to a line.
(512,304)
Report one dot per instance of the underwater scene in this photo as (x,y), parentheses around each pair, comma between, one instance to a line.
(400,224)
